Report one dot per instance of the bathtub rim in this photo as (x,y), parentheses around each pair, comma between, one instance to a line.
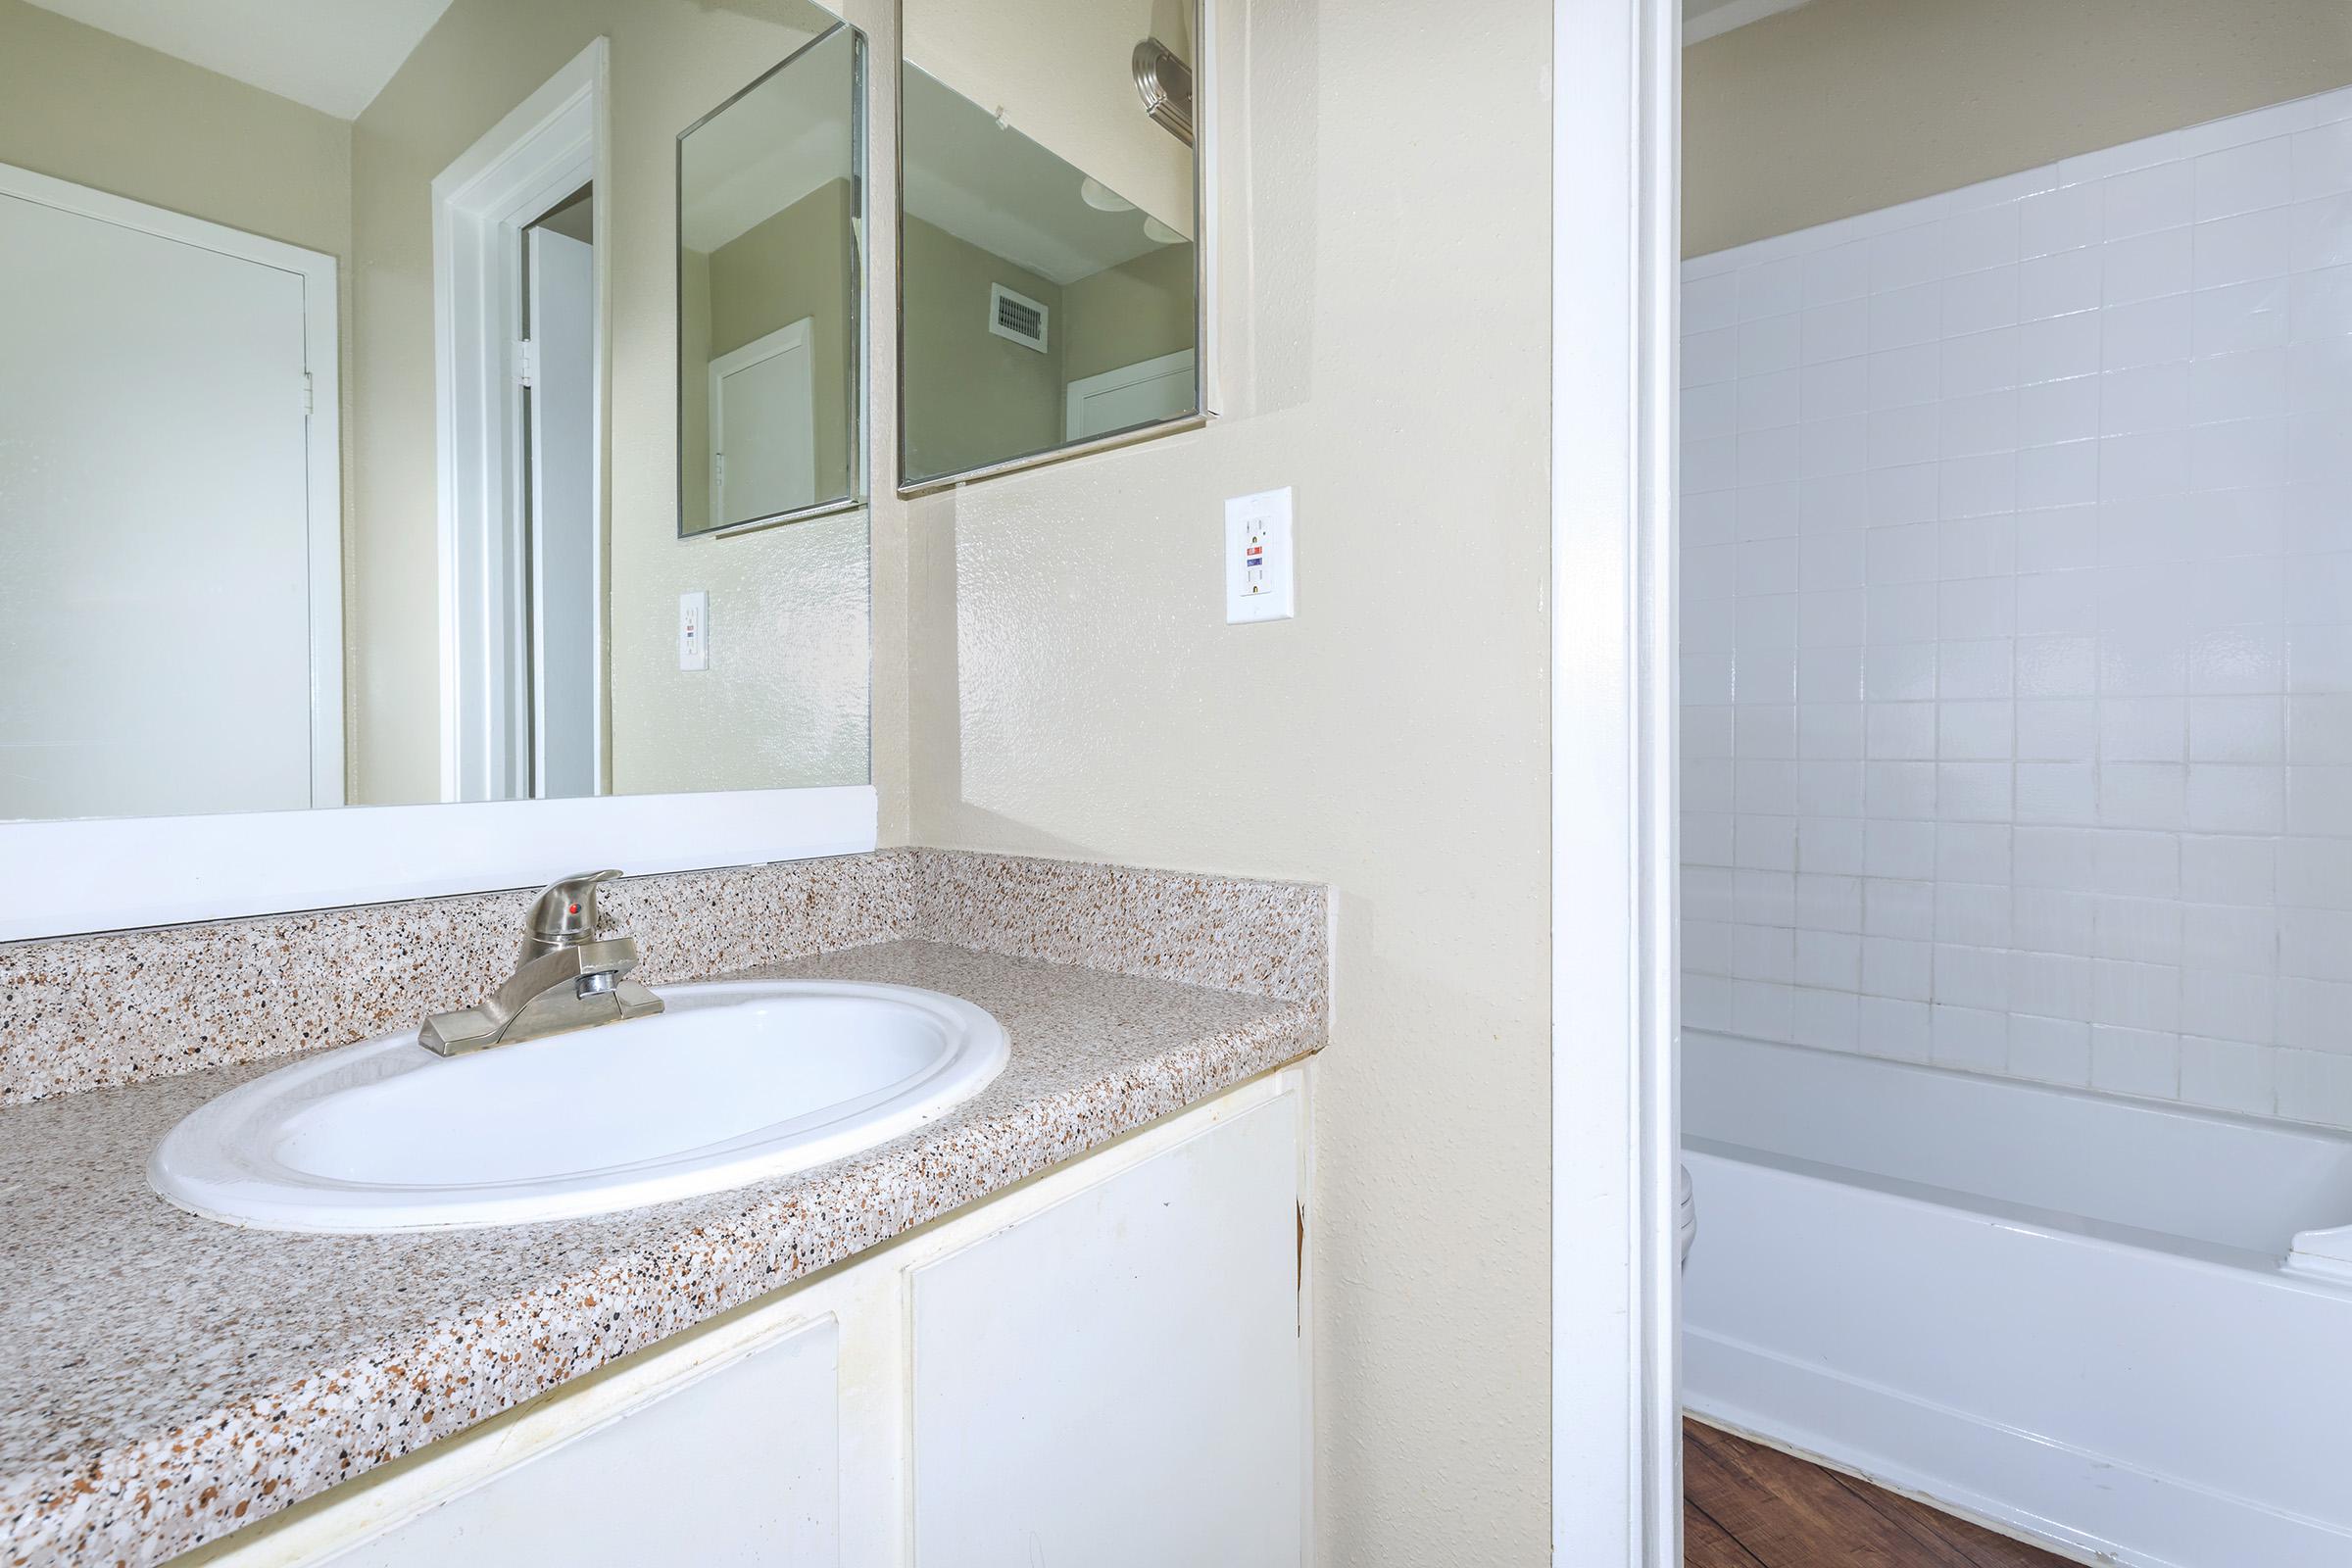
(2025,1219)
(2322,1252)
(2170,1109)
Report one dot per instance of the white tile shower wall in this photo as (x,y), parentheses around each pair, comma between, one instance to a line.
(2017,625)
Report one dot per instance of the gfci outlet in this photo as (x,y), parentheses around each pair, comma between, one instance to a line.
(694,630)
(1260,579)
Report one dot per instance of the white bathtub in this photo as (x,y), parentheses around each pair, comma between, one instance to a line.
(2060,1312)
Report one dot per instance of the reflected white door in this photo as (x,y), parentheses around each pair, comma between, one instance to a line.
(763,426)
(156,521)
(1143,393)
(567,586)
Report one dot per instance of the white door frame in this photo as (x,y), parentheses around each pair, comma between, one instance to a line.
(1125,376)
(321,349)
(550,145)
(783,340)
(1616,1396)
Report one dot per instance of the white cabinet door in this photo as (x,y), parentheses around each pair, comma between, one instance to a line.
(739,1467)
(1118,1378)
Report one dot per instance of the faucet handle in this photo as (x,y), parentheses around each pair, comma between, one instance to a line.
(563,915)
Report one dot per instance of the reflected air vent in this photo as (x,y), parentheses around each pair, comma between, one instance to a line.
(1016,316)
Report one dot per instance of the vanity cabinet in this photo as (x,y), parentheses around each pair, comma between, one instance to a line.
(736,1464)
(1115,1379)
(1105,1363)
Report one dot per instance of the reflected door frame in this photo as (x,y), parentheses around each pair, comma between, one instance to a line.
(322,402)
(548,146)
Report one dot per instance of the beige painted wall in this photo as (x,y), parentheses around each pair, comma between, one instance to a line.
(83,105)
(1124,315)
(742,721)
(973,397)
(1845,106)
(792,266)
(1073,691)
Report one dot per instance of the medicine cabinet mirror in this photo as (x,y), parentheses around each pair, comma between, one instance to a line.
(771,360)
(1049,219)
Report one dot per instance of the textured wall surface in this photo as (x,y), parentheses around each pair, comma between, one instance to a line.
(2017,629)
(1074,691)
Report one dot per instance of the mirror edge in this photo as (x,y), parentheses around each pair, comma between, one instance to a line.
(860,389)
(1205,279)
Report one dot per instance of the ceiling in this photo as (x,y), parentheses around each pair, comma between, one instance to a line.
(1705,19)
(783,138)
(993,187)
(333,55)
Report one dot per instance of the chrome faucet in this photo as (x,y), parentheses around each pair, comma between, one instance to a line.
(570,978)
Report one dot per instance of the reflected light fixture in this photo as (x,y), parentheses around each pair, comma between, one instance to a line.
(1101,198)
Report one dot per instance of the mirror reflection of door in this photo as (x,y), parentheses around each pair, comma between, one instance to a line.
(1143,393)
(763,426)
(170,511)
(566,579)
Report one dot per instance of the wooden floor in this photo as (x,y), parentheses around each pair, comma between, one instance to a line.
(1748,1507)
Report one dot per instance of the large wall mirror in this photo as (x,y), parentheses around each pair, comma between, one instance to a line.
(340,405)
(1050,270)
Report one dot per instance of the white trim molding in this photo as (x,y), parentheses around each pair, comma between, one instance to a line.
(322,464)
(1074,395)
(1616,1448)
(545,149)
(66,878)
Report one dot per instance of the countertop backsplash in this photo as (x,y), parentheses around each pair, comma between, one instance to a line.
(122,1007)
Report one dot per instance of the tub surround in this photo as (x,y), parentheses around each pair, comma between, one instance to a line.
(176,1379)
(2014,624)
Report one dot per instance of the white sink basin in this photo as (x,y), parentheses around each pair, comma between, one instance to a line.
(733,1082)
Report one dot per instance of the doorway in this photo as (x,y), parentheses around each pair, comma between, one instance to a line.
(520,302)
(561,539)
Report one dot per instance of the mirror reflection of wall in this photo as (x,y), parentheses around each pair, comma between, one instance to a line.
(290,516)
(1049,283)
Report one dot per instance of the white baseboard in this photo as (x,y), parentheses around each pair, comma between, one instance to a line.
(2082,1506)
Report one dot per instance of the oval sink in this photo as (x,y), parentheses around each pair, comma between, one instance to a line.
(734,1081)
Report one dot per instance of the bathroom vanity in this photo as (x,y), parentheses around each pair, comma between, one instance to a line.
(1105,1364)
(346,1235)
(1073,1301)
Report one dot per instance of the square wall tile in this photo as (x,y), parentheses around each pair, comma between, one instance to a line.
(2016,597)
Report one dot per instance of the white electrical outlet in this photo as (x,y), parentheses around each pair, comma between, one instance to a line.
(694,630)
(1260,582)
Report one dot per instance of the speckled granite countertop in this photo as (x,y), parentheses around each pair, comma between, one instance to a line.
(165,1379)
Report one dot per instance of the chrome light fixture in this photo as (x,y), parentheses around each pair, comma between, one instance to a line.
(1166,83)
